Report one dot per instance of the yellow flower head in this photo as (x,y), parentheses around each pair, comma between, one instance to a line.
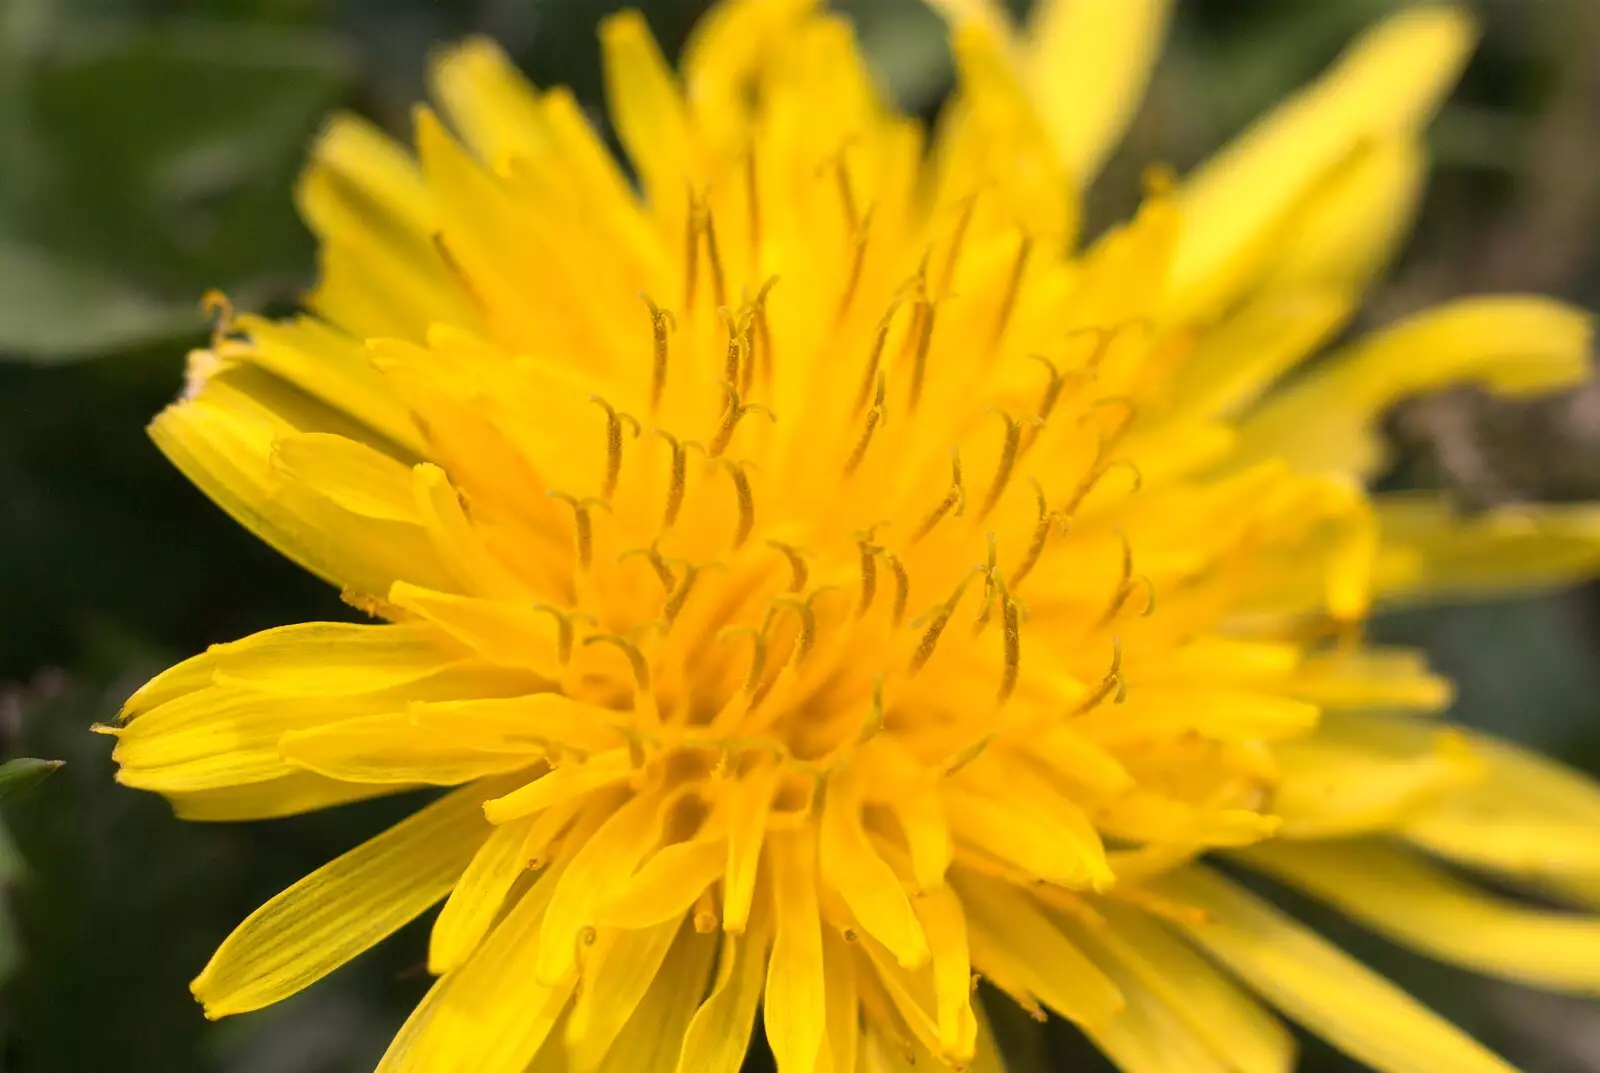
(824,580)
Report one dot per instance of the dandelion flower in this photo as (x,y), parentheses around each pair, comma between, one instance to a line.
(822,580)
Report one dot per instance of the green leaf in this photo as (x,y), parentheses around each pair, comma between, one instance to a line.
(24,773)
(52,309)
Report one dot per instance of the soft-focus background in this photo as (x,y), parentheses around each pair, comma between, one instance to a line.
(147,149)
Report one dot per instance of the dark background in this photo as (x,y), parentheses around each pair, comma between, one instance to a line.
(147,149)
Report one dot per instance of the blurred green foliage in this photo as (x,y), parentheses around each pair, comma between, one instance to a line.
(147,152)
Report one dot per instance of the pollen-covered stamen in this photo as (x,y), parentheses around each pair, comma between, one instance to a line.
(955,499)
(566,628)
(459,274)
(991,582)
(758,655)
(657,562)
(731,415)
(761,340)
(847,195)
(1011,638)
(880,338)
(1105,337)
(869,576)
(661,322)
(1098,471)
(902,587)
(680,594)
(1041,534)
(719,281)
(691,267)
(737,358)
(216,307)
(1128,584)
(875,714)
(1008,298)
(937,619)
(958,238)
(1127,408)
(922,319)
(1112,682)
(798,570)
(807,615)
(874,418)
(677,477)
(739,475)
(869,553)
(583,524)
(615,419)
(1053,389)
(962,757)
(858,261)
(643,698)
(1006,465)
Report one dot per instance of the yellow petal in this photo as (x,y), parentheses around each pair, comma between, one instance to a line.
(398,1058)
(621,971)
(794,1005)
(946,927)
(1017,946)
(650,1041)
(1146,1036)
(493,1015)
(1351,225)
(489,101)
(193,674)
(1231,1024)
(862,878)
(749,803)
(1413,902)
(1087,64)
(476,899)
(602,862)
(1389,82)
(844,1002)
(519,723)
(392,748)
(1526,815)
(1243,356)
(719,1032)
(1431,551)
(647,109)
(332,366)
(355,476)
(995,116)
(569,781)
(724,57)
(438,508)
(515,634)
(381,273)
(222,440)
(1004,810)
(1512,344)
(1364,772)
(1393,678)
(332,658)
(1319,985)
(220,736)
(1226,715)
(367,159)
(286,795)
(344,907)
